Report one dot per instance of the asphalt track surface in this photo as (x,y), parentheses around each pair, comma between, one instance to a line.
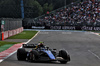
(83,47)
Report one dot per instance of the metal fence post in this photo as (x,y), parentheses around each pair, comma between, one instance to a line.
(22,8)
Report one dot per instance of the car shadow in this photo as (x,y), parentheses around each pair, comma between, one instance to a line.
(47,62)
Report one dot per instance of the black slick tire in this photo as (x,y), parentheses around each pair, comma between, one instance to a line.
(65,56)
(34,55)
(21,54)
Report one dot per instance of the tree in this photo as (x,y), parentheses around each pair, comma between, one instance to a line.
(45,7)
(50,7)
(33,9)
(9,9)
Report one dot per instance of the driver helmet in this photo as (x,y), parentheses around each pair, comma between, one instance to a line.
(41,44)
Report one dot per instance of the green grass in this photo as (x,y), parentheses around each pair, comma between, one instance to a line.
(5,47)
(4,43)
(24,35)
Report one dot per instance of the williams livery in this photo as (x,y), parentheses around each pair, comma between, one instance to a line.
(39,52)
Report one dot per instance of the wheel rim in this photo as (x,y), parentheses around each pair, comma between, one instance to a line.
(33,56)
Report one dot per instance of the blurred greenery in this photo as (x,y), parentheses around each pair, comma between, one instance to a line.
(32,8)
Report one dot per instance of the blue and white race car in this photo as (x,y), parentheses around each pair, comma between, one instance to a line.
(40,52)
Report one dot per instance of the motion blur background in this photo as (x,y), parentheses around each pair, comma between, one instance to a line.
(50,14)
(32,8)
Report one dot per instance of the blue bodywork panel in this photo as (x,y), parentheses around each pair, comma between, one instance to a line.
(49,53)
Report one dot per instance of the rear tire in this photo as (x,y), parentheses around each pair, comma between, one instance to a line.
(21,54)
(34,55)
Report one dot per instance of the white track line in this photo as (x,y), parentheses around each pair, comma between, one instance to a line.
(20,47)
(32,38)
(95,33)
(94,54)
(1,61)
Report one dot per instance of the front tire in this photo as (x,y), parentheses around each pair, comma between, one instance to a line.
(63,62)
(65,56)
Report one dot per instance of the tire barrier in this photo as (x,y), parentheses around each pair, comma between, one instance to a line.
(10,33)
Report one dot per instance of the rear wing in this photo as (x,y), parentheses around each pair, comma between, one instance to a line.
(29,45)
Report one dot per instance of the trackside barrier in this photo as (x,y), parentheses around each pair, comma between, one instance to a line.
(2,36)
(10,33)
(14,32)
(6,34)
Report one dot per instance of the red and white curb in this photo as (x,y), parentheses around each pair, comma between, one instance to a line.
(7,53)
(98,34)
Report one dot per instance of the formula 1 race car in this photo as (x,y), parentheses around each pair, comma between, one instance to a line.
(42,53)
